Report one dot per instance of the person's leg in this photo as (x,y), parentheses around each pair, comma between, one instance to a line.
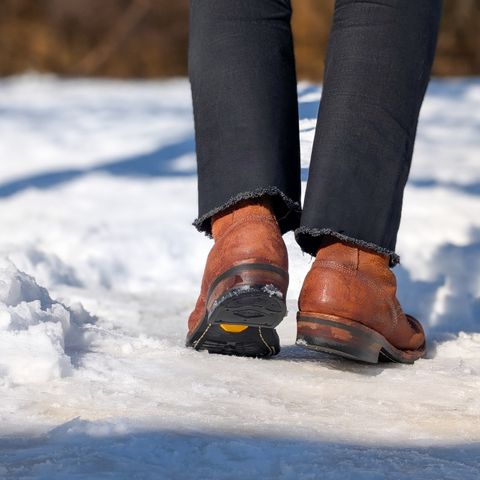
(242,73)
(378,66)
(377,69)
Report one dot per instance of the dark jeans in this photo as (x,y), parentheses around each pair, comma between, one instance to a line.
(242,73)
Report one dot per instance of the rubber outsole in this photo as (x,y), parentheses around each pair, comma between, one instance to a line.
(350,339)
(253,306)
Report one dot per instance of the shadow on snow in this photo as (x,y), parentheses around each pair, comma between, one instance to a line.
(69,452)
(159,163)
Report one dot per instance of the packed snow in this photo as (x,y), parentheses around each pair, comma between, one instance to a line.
(100,267)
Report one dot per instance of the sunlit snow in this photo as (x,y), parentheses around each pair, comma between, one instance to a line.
(100,267)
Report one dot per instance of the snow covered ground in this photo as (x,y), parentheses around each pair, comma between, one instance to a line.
(100,266)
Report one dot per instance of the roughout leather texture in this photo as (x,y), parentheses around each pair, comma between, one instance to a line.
(357,284)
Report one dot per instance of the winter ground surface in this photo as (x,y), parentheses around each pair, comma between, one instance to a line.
(100,267)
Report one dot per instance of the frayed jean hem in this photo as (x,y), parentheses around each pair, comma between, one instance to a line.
(303,236)
(287,211)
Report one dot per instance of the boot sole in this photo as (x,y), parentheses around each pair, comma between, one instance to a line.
(242,320)
(349,339)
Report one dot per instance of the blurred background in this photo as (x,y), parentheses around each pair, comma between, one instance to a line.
(149,38)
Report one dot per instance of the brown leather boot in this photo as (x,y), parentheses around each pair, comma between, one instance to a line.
(348,307)
(242,297)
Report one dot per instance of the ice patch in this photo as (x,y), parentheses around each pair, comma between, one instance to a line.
(36,333)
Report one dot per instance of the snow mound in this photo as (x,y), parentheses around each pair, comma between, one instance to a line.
(37,334)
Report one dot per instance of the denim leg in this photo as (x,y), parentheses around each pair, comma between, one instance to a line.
(242,74)
(378,66)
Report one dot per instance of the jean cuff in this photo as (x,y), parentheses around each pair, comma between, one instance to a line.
(308,238)
(286,210)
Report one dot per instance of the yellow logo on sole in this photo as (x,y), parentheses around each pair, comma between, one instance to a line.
(231,328)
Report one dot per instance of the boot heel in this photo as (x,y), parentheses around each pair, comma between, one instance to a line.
(349,339)
(337,336)
(244,305)
(248,295)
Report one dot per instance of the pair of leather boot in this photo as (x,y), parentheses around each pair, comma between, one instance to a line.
(347,304)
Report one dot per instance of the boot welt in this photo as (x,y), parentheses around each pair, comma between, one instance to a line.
(349,339)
